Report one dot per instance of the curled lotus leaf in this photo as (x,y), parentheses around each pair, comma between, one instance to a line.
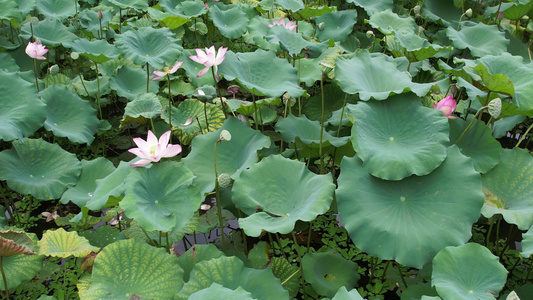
(388,22)
(373,6)
(527,243)
(13,242)
(480,39)
(60,243)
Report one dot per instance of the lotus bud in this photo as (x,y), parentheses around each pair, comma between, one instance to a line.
(416,9)
(224,136)
(468,13)
(495,107)
(447,106)
(224,180)
(420,30)
(100,15)
(233,88)
(34,21)
(74,55)
(321,25)
(54,70)
(369,34)
(500,16)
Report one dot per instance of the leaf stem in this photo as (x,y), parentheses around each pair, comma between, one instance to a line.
(98,91)
(524,135)
(219,202)
(169,106)
(321,126)
(4,276)
(470,125)
(218,93)
(35,73)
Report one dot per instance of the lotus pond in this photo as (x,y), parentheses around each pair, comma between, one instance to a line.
(274,149)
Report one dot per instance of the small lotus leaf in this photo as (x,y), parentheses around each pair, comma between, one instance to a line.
(20,267)
(167,19)
(469,272)
(90,21)
(508,189)
(39,168)
(277,76)
(190,9)
(216,291)
(197,254)
(153,274)
(231,273)
(373,6)
(477,144)
(399,137)
(231,22)
(22,115)
(101,236)
(11,13)
(232,156)
(343,294)
(337,25)
(50,31)
(137,5)
(60,243)
(290,41)
(329,271)
(417,48)
(130,83)
(527,243)
(308,132)
(480,39)
(57,9)
(285,191)
(98,51)
(148,45)
(142,108)
(388,22)
(412,219)
(69,116)
(110,186)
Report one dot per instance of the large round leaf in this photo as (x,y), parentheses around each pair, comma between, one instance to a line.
(399,137)
(133,269)
(143,108)
(130,83)
(336,25)
(98,51)
(308,132)
(412,219)
(469,272)
(148,45)
(50,31)
(69,116)
(57,9)
(232,156)
(284,191)
(111,185)
(14,242)
(272,76)
(291,41)
(478,143)
(329,271)
(20,267)
(388,22)
(60,243)
(374,6)
(508,189)
(231,22)
(480,39)
(158,203)
(231,273)
(216,291)
(21,110)
(39,168)
(527,243)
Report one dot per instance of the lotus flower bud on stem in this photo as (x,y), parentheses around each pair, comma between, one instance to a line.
(369,34)
(495,107)
(468,13)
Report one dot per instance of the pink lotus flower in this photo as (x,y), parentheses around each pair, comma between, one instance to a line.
(166,71)
(153,150)
(36,50)
(447,105)
(287,25)
(209,58)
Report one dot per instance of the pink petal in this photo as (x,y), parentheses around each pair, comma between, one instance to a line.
(175,67)
(171,151)
(203,72)
(140,163)
(163,140)
(152,139)
(270,25)
(141,143)
(220,55)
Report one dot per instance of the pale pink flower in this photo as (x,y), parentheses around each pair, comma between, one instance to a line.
(166,71)
(209,58)
(36,50)
(287,25)
(447,105)
(201,92)
(153,150)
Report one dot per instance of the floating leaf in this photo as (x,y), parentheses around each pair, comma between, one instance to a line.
(480,39)
(38,168)
(412,219)
(469,272)
(399,137)
(60,243)
(232,22)
(337,25)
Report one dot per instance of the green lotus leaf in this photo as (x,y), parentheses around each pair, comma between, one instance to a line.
(57,9)
(91,171)
(287,273)
(20,267)
(11,13)
(506,124)
(442,10)
(192,108)
(329,271)
(101,236)
(89,20)
(478,143)
(112,66)
(159,204)
(190,9)
(416,291)
(285,190)
(290,41)
(343,294)
(51,32)
(417,48)
(143,108)
(231,22)
(137,5)
(258,30)
(8,63)
(292,5)
(22,115)
(508,189)
(310,11)
(334,99)
(98,51)
(154,275)
(277,76)
(13,242)
(498,83)
(192,68)
(216,291)
(130,83)
(92,87)
(527,243)
(167,19)
(412,219)
(309,71)
(231,273)
(232,156)
(110,186)
(38,168)
(60,243)
(467,272)
(480,39)
(374,76)
(308,132)
(399,137)
(69,116)
(197,254)
(518,10)
(388,22)
(156,47)
(337,25)
(373,6)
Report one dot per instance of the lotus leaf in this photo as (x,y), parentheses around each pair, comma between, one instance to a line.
(22,115)
(337,25)
(20,267)
(50,31)
(498,83)
(290,41)
(110,186)
(244,67)
(518,10)
(130,83)
(416,47)
(137,5)
(480,39)
(232,157)
(153,274)
(11,13)
(412,219)
(442,10)
(167,19)
(334,99)
(13,242)
(308,132)
(286,272)
(508,189)
(101,236)
(142,108)
(231,273)
(527,243)
(309,71)
(231,22)
(343,294)
(373,6)
(57,9)
(98,51)
(190,9)
(469,272)
(60,243)
(216,291)
(388,22)
(285,191)
(197,254)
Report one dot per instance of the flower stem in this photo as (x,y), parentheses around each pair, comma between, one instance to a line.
(169,106)
(205,114)
(35,73)
(218,93)
(147,78)
(524,135)
(321,127)
(219,202)
(98,91)
(470,125)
